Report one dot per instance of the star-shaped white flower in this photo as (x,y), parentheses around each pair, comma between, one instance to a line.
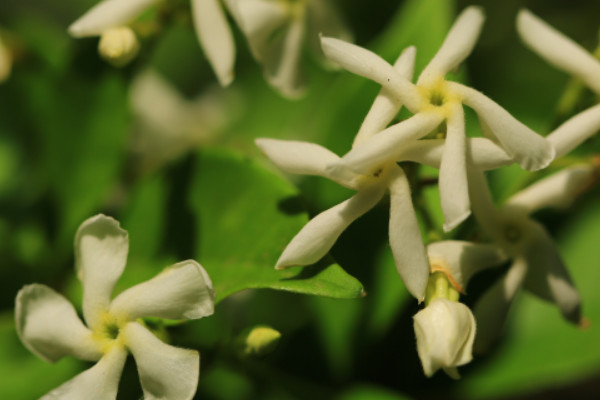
(570,57)
(209,19)
(48,324)
(277,30)
(536,263)
(434,100)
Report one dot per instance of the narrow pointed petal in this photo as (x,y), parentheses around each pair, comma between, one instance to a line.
(492,308)
(108,14)
(321,232)
(182,291)
(558,49)
(454,189)
(460,260)
(386,106)
(405,236)
(483,206)
(361,61)
(166,372)
(48,325)
(548,278)
(101,248)
(458,44)
(530,150)
(387,145)
(557,191)
(575,131)
(215,38)
(100,382)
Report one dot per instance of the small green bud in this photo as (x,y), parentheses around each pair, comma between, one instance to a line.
(260,340)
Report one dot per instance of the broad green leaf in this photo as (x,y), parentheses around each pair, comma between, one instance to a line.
(245,215)
(541,349)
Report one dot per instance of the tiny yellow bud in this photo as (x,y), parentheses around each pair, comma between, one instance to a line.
(261,340)
(119,46)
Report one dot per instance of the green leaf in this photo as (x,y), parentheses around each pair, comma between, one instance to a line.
(541,348)
(245,216)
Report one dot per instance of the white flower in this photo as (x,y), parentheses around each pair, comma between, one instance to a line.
(276,32)
(536,265)
(209,19)
(48,324)
(568,56)
(434,100)
(445,332)
(5,62)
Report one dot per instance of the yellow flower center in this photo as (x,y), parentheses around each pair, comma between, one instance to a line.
(436,97)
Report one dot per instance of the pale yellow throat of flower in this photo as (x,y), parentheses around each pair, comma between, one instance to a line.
(438,98)
(107,332)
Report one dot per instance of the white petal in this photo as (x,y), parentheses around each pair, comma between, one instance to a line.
(445,332)
(492,308)
(458,44)
(100,382)
(548,278)
(575,130)
(405,236)
(101,248)
(215,37)
(108,14)
(321,232)
(48,325)
(557,191)
(454,190)
(166,372)
(558,49)
(182,291)
(385,147)
(482,205)
(529,149)
(386,106)
(461,260)
(363,62)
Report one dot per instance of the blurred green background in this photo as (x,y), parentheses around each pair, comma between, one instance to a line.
(70,148)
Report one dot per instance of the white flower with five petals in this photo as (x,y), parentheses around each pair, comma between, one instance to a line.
(48,324)
(209,19)
(434,100)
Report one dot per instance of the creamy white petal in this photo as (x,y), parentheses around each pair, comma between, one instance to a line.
(482,153)
(48,325)
(181,291)
(101,248)
(385,147)
(557,191)
(100,382)
(460,260)
(325,19)
(454,189)
(386,105)
(445,332)
(215,37)
(482,205)
(166,372)
(558,49)
(108,14)
(492,308)
(405,236)
(547,276)
(458,44)
(363,62)
(575,130)
(529,149)
(321,232)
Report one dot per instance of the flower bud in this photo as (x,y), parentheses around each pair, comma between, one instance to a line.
(445,331)
(261,340)
(118,46)
(5,62)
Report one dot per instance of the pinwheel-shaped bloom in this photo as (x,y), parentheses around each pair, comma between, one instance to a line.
(445,328)
(568,56)
(209,18)
(536,263)
(5,62)
(49,326)
(277,30)
(434,100)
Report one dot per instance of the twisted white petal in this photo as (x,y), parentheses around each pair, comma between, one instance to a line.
(575,130)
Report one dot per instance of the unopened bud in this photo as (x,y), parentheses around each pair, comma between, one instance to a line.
(119,46)
(5,62)
(261,340)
